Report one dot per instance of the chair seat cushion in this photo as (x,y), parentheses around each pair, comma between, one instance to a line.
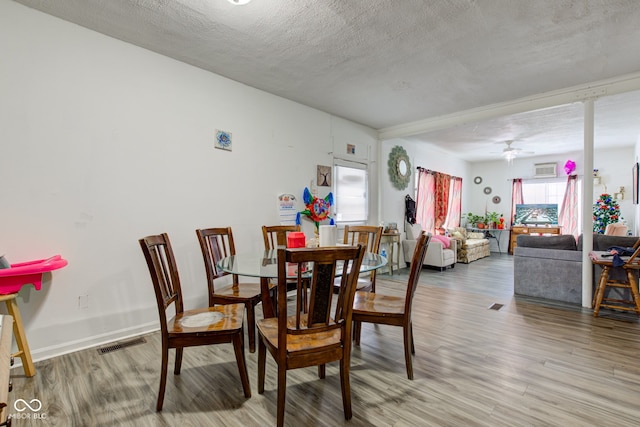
(211,319)
(268,328)
(243,291)
(366,302)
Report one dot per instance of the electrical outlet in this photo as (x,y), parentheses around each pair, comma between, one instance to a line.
(83,301)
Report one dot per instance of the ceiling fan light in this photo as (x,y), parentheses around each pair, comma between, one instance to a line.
(239,2)
(509,155)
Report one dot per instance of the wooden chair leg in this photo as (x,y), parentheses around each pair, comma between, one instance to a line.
(413,347)
(238,347)
(163,376)
(357,327)
(602,284)
(262,360)
(21,337)
(251,325)
(346,387)
(407,350)
(282,394)
(178,363)
(322,371)
(633,284)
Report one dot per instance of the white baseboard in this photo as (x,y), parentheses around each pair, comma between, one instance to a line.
(94,341)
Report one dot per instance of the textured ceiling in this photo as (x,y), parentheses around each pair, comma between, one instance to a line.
(386,63)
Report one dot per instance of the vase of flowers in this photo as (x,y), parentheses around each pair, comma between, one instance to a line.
(605,211)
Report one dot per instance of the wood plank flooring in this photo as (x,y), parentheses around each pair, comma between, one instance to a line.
(529,363)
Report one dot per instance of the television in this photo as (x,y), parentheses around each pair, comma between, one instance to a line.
(537,214)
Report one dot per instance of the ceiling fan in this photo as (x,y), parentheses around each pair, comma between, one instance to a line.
(511,153)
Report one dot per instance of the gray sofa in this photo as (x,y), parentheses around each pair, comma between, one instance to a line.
(551,266)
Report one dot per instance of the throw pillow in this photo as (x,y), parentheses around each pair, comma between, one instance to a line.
(457,235)
(446,242)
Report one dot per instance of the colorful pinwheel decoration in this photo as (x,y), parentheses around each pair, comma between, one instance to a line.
(317,209)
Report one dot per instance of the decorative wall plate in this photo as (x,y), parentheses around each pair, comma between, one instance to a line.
(487,190)
(399,168)
(496,199)
(223,140)
(477,179)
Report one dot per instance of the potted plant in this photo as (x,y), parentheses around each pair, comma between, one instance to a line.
(492,219)
(474,221)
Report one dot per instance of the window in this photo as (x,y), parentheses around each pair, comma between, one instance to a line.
(551,192)
(351,195)
(543,192)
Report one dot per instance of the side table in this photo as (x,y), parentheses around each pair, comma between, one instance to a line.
(393,240)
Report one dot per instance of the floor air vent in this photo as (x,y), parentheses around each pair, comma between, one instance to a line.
(496,306)
(120,345)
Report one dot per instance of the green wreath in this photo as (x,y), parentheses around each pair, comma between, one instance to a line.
(399,168)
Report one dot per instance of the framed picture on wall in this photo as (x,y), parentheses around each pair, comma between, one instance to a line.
(324,176)
(635,183)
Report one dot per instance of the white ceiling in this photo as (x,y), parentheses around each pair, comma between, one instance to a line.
(388,63)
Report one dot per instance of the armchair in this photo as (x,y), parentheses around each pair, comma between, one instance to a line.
(440,255)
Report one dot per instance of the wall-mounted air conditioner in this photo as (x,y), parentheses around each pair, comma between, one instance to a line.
(545,170)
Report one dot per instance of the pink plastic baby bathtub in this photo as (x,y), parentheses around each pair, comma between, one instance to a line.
(13,278)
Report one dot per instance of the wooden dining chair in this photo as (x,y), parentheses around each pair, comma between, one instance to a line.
(392,310)
(188,328)
(276,235)
(618,278)
(369,236)
(215,244)
(312,335)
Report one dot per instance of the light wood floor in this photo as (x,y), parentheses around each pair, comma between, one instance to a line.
(527,364)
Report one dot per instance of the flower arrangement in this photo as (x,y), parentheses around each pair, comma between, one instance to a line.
(605,211)
(316,209)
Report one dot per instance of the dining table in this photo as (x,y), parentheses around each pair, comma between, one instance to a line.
(264,265)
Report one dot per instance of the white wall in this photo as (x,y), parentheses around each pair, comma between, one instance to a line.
(420,155)
(104,142)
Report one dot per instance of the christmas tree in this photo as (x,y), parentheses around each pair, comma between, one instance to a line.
(605,211)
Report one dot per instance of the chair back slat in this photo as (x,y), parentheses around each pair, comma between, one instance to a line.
(367,235)
(164,274)
(416,268)
(276,235)
(215,244)
(316,270)
(321,295)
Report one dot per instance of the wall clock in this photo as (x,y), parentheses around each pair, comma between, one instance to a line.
(496,199)
(399,168)
(487,190)
(477,179)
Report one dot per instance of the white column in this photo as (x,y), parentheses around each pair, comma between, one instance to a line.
(587,204)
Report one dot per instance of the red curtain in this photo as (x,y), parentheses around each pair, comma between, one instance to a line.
(433,200)
(442,186)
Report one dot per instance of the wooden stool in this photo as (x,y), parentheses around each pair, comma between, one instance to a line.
(18,331)
(630,266)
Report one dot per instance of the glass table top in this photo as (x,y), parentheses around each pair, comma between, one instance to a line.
(265,263)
